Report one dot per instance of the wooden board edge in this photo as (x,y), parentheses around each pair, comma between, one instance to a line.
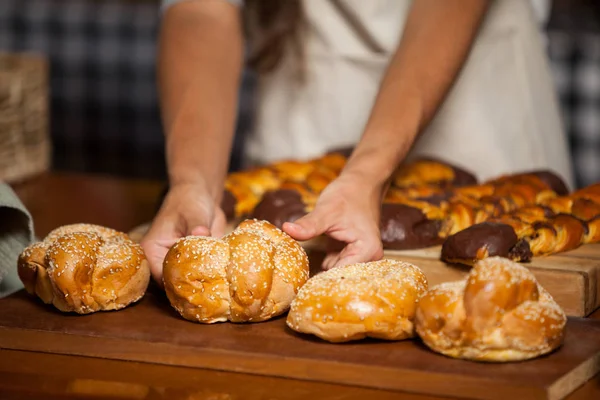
(267,365)
(566,385)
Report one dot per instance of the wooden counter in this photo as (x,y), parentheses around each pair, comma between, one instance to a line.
(56,200)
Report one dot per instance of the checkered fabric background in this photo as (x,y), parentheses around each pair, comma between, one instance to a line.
(105,115)
(104,111)
(576,67)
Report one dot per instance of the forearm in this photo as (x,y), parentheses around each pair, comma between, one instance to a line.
(436,41)
(199,69)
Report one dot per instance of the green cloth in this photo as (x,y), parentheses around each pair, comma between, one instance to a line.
(16,233)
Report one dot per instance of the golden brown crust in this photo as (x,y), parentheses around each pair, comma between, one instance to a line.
(423,171)
(472,205)
(499,313)
(250,275)
(194,274)
(453,210)
(376,299)
(85,268)
(291,170)
(245,199)
(555,225)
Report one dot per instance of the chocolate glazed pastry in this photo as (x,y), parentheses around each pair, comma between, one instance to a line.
(485,240)
(280,206)
(404,227)
(553,181)
(558,224)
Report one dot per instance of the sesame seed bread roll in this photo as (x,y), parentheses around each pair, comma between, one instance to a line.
(499,313)
(376,299)
(85,268)
(249,275)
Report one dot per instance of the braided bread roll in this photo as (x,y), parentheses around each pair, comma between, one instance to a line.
(376,299)
(499,313)
(85,268)
(408,223)
(555,225)
(431,172)
(471,205)
(244,190)
(250,275)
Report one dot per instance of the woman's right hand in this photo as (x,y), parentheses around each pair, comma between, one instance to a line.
(187,209)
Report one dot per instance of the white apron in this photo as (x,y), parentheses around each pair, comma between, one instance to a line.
(501,116)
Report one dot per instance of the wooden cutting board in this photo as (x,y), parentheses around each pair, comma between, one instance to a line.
(572,278)
(151,331)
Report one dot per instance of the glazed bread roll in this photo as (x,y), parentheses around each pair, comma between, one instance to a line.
(498,314)
(85,268)
(249,275)
(376,299)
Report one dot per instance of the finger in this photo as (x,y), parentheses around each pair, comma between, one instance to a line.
(330,261)
(161,236)
(218,226)
(310,226)
(359,252)
(155,254)
(200,231)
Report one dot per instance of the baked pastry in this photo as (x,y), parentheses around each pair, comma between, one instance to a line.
(249,275)
(85,268)
(471,205)
(433,172)
(280,206)
(499,313)
(376,299)
(554,225)
(408,223)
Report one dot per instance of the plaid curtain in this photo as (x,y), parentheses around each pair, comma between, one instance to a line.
(105,116)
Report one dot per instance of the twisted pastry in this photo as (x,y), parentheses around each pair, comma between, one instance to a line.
(244,190)
(471,205)
(431,172)
(555,225)
(499,313)
(421,222)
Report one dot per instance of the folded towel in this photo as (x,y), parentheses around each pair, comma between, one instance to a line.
(16,233)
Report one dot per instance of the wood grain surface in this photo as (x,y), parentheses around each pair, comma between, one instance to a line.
(572,278)
(152,332)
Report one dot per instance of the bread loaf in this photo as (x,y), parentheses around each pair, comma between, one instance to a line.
(412,222)
(376,299)
(555,225)
(85,268)
(499,313)
(427,171)
(250,275)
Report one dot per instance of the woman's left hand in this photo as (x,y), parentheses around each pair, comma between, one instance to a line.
(347,211)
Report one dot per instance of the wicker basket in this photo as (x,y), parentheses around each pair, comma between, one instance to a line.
(24,138)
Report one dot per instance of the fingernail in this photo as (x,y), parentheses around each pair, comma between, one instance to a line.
(293,226)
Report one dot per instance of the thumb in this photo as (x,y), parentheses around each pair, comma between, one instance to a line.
(311,225)
(200,230)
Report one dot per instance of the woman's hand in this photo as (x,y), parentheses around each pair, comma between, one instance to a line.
(186,210)
(347,211)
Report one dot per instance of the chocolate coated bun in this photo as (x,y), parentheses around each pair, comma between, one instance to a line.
(404,227)
(484,240)
(280,206)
